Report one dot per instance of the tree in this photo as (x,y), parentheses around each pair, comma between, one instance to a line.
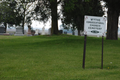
(74,11)
(46,9)
(7,14)
(24,8)
(16,12)
(112,15)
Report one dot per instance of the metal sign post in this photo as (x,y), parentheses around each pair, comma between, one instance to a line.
(84,51)
(102,53)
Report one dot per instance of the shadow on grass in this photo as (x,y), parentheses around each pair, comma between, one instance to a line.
(59,42)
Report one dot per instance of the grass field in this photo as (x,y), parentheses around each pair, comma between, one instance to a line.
(57,58)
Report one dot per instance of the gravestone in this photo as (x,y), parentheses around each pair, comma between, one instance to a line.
(49,31)
(19,31)
(76,32)
(2,30)
(36,32)
(43,31)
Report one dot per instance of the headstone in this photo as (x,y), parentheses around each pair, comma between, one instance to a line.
(2,29)
(76,32)
(43,31)
(19,31)
(49,31)
(36,32)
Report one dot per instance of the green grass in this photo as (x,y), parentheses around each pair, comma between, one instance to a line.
(57,58)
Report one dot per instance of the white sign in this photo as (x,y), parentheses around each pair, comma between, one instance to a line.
(94,25)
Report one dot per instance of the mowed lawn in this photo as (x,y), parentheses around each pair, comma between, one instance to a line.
(58,58)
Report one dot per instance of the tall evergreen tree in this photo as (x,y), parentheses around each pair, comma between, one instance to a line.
(74,11)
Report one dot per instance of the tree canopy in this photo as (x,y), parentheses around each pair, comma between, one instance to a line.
(8,14)
(25,8)
(113,16)
(74,11)
(46,9)
(16,12)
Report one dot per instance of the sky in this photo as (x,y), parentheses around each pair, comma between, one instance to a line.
(40,25)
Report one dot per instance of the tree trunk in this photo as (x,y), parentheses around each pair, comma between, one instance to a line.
(79,27)
(79,32)
(5,24)
(54,15)
(23,22)
(112,25)
(23,26)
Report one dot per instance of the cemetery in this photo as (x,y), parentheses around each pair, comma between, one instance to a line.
(18,31)
(59,40)
(64,56)
(27,32)
(2,29)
